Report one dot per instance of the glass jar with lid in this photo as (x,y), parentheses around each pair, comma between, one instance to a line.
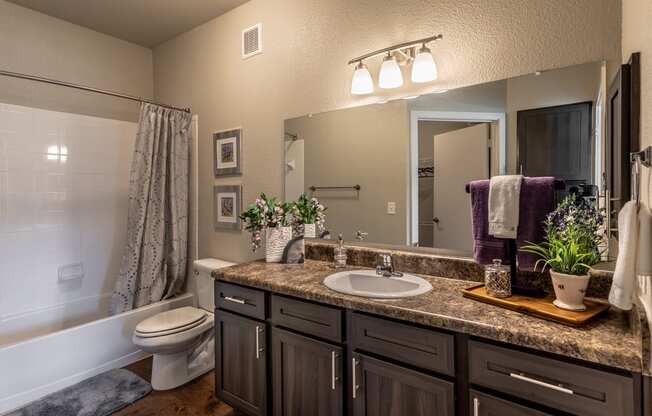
(497,280)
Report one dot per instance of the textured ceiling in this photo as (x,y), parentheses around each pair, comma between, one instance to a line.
(145,22)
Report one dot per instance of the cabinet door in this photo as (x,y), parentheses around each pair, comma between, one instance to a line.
(307,376)
(383,389)
(240,369)
(484,405)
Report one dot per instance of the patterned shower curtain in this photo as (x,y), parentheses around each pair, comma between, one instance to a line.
(155,257)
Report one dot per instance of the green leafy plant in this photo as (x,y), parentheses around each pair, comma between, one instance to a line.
(308,211)
(265,213)
(573,238)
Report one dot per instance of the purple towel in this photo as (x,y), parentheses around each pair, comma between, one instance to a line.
(536,202)
(485,247)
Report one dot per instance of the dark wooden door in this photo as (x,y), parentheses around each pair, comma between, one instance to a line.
(307,376)
(557,141)
(240,364)
(384,389)
(481,404)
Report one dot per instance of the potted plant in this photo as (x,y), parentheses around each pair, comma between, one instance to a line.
(308,216)
(571,246)
(273,217)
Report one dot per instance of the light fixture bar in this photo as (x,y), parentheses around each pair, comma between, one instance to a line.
(395,47)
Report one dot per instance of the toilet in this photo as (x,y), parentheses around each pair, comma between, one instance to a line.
(181,340)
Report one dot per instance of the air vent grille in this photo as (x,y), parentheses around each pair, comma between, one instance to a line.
(252,41)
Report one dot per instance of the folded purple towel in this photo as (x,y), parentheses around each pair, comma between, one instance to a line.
(536,202)
(485,247)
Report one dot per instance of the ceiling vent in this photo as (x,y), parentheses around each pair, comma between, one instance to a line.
(252,41)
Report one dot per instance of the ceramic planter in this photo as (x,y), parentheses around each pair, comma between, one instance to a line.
(569,290)
(276,239)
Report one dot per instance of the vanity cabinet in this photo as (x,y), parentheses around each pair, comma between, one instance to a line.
(240,366)
(486,405)
(307,376)
(381,388)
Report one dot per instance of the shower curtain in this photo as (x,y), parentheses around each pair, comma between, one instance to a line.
(154,259)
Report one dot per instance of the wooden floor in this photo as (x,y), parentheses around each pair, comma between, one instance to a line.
(196,398)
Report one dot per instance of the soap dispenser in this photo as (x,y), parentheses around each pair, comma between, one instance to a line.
(340,253)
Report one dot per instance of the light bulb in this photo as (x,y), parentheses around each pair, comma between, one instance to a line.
(390,74)
(424,68)
(361,82)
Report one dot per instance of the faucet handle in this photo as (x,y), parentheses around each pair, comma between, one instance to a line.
(384,264)
(360,235)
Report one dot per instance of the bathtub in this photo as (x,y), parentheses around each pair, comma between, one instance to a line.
(33,368)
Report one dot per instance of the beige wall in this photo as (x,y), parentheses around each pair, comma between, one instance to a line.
(303,68)
(367,146)
(637,37)
(31,42)
(570,85)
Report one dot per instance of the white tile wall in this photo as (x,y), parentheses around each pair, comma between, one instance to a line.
(64,181)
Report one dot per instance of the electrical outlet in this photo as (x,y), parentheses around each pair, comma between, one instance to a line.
(391,208)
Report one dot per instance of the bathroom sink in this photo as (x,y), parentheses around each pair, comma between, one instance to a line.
(367,283)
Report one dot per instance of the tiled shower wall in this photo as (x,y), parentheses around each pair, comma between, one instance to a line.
(64,182)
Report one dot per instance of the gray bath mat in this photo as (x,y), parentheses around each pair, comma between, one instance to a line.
(97,396)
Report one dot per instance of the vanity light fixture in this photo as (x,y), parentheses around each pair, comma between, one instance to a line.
(424,68)
(390,73)
(362,82)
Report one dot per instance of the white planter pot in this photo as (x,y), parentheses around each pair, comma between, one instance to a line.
(569,290)
(310,230)
(275,241)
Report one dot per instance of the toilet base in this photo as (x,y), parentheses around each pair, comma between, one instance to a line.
(173,370)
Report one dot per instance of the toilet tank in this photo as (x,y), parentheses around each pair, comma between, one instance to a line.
(204,281)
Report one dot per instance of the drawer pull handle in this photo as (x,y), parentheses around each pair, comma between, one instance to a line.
(541,383)
(235,300)
(476,406)
(354,382)
(258,349)
(334,377)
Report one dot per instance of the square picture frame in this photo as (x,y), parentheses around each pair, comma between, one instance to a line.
(227,152)
(227,207)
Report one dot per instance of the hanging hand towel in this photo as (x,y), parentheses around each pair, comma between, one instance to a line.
(624,280)
(485,247)
(644,256)
(504,198)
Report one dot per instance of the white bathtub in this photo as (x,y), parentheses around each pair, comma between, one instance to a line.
(33,368)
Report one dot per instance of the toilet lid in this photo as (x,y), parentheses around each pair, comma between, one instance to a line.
(169,321)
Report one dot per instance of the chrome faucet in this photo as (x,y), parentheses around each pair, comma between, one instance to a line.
(360,235)
(385,266)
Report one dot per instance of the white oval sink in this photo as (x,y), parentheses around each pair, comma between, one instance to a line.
(368,284)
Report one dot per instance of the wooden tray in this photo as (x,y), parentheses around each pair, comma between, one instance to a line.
(539,307)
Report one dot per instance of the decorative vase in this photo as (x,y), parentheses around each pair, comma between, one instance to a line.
(310,230)
(569,290)
(276,239)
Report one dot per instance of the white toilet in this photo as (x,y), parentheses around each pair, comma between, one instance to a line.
(181,340)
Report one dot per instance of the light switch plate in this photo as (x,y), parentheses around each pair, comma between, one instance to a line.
(391,208)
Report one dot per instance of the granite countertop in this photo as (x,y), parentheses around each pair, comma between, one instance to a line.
(614,339)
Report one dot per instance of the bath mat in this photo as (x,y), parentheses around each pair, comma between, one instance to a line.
(97,396)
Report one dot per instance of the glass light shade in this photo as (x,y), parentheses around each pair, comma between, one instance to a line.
(390,74)
(424,68)
(361,82)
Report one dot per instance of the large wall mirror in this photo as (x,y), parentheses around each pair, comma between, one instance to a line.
(398,170)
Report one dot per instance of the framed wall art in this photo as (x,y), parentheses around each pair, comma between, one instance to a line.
(227,206)
(227,148)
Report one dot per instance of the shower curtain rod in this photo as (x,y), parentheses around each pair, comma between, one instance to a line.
(85,88)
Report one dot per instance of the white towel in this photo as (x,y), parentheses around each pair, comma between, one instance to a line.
(504,197)
(644,258)
(624,280)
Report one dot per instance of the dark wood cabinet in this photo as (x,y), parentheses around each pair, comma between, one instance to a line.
(240,366)
(485,405)
(383,389)
(307,376)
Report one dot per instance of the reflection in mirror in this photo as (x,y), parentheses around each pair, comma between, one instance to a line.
(412,158)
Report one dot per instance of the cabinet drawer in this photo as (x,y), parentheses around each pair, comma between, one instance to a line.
(481,404)
(240,299)
(569,387)
(312,319)
(425,348)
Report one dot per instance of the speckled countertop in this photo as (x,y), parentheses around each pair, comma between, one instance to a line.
(613,339)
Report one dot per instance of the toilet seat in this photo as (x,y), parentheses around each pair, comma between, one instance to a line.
(171,322)
(177,341)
